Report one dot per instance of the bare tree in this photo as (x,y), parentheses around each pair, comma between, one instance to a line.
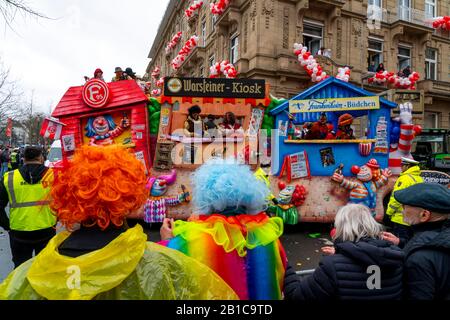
(10,8)
(10,93)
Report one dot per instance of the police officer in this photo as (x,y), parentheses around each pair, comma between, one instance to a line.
(31,223)
(410,176)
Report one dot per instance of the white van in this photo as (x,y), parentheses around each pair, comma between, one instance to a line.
(55,154)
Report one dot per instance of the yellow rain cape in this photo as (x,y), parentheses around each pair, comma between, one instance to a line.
(129,268)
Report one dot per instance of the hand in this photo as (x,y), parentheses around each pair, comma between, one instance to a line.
(390,237)
(166,231)
(328,251)
(387,172)
(406,113)
(125,123)
(337,177)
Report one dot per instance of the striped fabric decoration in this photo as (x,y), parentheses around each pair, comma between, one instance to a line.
(404,148)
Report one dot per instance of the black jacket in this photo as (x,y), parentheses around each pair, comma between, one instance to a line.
(345,275)
(33,174)
(427,262)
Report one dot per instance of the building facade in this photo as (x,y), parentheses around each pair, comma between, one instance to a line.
(258,37)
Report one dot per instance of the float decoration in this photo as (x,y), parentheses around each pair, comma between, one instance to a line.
(197,4)
(155,209)
(185,52)
(289,199)
(344,74)
(225,68)
(384,77)
(219,7)
(309,63)
(172,44)
(369,179)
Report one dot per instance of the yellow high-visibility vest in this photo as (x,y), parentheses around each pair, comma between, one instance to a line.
(28,202)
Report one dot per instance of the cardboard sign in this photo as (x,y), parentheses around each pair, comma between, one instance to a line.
(299,165)
(68,143)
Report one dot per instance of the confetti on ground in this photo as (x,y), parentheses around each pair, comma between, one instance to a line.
(314,235)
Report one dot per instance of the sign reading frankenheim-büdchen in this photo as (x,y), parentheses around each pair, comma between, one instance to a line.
(220,88)
(334,104)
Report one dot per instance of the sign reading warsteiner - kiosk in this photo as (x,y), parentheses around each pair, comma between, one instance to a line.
(334,104)
(220,88)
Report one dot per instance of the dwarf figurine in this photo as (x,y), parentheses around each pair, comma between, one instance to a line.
(364,189)
(155,209)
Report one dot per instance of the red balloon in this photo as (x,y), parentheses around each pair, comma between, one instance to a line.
(281,185)
(417,129)
(355,169)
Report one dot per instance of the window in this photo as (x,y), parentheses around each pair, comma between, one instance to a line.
(234,48)
(213,23)
(375,54)
(430,9)
(312,36)
(202,71)
(212,61)
(376,3)
(431,64)
(375,10)
(404,57)
(431,120)
(204,32)
(404,10)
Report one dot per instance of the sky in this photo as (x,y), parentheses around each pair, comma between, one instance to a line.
(47,57)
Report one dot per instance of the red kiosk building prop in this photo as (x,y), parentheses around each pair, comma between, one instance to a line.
(100,113)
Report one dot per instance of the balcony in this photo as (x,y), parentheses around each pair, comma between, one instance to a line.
(411,20)
(435,88)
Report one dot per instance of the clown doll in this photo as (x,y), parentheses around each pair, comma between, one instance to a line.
(102,130)
(364,189)
(155,208)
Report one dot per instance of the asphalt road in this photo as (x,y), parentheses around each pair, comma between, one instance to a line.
(302,250)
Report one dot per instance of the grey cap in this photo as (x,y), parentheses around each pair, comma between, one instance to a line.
(429,196)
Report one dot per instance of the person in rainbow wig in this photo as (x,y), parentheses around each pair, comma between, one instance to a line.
(230,232)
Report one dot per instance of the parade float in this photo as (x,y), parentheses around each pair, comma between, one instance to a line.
(315,144)
(101,113)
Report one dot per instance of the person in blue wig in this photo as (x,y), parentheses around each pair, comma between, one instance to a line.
(230,231)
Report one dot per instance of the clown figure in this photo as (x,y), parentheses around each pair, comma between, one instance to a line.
(364,189)
(102,130)
(155,208)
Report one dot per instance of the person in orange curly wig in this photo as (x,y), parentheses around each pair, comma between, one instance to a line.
(104,259)
(100,186)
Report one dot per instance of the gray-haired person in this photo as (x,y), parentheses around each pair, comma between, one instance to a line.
(360,266)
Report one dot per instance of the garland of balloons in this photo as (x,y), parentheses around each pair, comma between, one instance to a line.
(383,77)
(225,68)
(219,7)
(160,82)
(197,4)
(156,92)
(184,52)
(442,23)
(173,43)
(309,63)
(156,73)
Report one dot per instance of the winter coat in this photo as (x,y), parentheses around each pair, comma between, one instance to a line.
(427,262)
(345,275)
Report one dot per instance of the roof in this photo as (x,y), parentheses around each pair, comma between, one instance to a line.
(332,88)
(123,93)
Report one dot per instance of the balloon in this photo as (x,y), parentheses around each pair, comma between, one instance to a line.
(417,129)
(281,185)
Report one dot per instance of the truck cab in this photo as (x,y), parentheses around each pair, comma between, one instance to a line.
(431,149)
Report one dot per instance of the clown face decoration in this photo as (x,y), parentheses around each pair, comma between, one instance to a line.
(158,186)
(364,174)
(102,129)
